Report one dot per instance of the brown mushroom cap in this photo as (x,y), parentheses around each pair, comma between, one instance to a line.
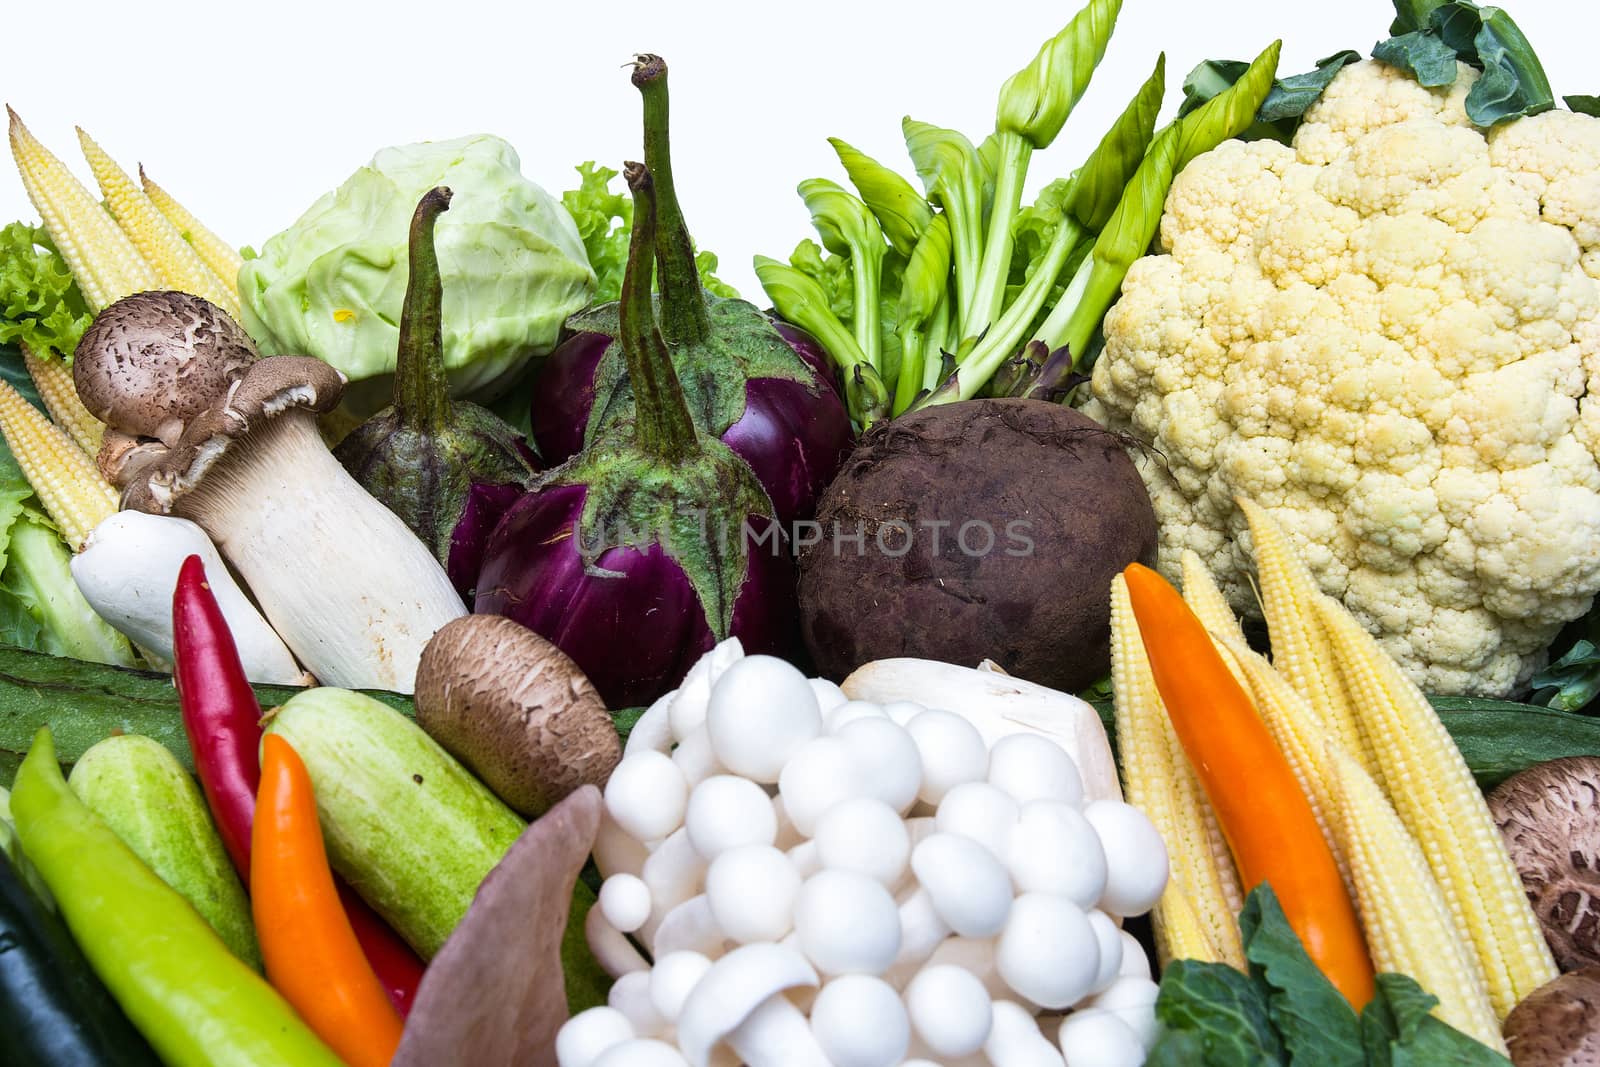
(1549,816)
(1558,1024)
(516,710)
(266,389)
(152,361)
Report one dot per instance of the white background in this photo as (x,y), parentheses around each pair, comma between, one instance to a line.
(248,112)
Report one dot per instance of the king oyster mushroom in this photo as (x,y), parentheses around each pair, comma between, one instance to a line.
(203,429)
(1549,816)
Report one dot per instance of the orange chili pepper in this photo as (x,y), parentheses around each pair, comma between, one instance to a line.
(1260,806)
(311,953)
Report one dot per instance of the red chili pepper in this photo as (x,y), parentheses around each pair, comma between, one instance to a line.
(222,719)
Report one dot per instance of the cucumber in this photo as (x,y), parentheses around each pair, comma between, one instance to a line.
(407,826)
(84,703)
(141,791)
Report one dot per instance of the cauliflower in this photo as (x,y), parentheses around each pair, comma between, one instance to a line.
(1388,335)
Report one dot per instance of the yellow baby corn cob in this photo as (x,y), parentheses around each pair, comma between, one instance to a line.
(1196,917)
(153,234)
(1434,793)
(1300,652)
(104,262)
(1200,592)
(53,379)
(223,259)
(1408,925)
(66,480)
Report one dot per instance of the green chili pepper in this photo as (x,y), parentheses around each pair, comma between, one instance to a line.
(193,1000)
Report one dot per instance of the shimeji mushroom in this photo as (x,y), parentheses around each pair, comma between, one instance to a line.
(1096,1038)
(1055,849)
(1015,1039)
(202,429)
(1048,952)
(860,1021)
(950,1011)
(1136,857)
(740,1002)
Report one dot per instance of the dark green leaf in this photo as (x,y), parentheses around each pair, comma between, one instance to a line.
(1176,1048)
(1314,1019)
(1291,96)
(625,720)
(1572,681)
(1513,82)
(1225,1011)
(1397,1031)
(1420,54)
(1286,102)
(1584,105)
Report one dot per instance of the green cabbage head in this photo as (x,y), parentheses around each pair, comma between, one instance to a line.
(332,284)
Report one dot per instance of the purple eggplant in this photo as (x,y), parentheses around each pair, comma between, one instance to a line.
(448,468)
(653,542)
(767,390)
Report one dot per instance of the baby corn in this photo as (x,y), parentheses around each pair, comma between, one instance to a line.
(53,379)
(1196,917)
(1434,793)
(66,480)
(223,259)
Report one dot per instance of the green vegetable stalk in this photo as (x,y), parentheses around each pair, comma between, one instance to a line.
(195,1002)
(848,228)
(1034,105)
(952,173)
(900,209)
(1081,205)
(924,308)
(800,300)
(1132,225)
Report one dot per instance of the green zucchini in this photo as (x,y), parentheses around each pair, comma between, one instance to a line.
(84,703)
(154,806)
(407,826)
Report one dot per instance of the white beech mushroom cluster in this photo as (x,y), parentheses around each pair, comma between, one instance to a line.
(820,881)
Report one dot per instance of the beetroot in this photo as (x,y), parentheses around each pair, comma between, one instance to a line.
(990,529)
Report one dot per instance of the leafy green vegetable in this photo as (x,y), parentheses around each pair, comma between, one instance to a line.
(1286,103)
(1572,681)
(1583,105)
(1429,36)
(1314,1020)
(605,221)
(40,606)
(1287,1013)
(1226,1011)
(40,305)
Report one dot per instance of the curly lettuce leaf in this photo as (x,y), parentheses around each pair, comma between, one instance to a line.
(40,305)
(605,222)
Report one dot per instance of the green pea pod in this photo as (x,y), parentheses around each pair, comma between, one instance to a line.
(148,799)
(195,1002)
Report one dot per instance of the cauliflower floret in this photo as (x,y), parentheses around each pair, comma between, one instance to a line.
(1388,335)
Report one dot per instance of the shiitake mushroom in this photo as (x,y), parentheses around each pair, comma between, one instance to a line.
(1549,816)
(516,711)
(1558,1024)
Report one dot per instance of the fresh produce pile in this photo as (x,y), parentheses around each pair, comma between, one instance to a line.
(466,631)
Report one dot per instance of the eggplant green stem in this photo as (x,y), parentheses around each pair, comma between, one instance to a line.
(990,289)
(663,426)
(421,389)
(683,305)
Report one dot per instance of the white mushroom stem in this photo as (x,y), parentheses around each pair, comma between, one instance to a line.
(612,950)
(352,592)
(128,568)
(689,927)
(776,1034)
(921,931)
